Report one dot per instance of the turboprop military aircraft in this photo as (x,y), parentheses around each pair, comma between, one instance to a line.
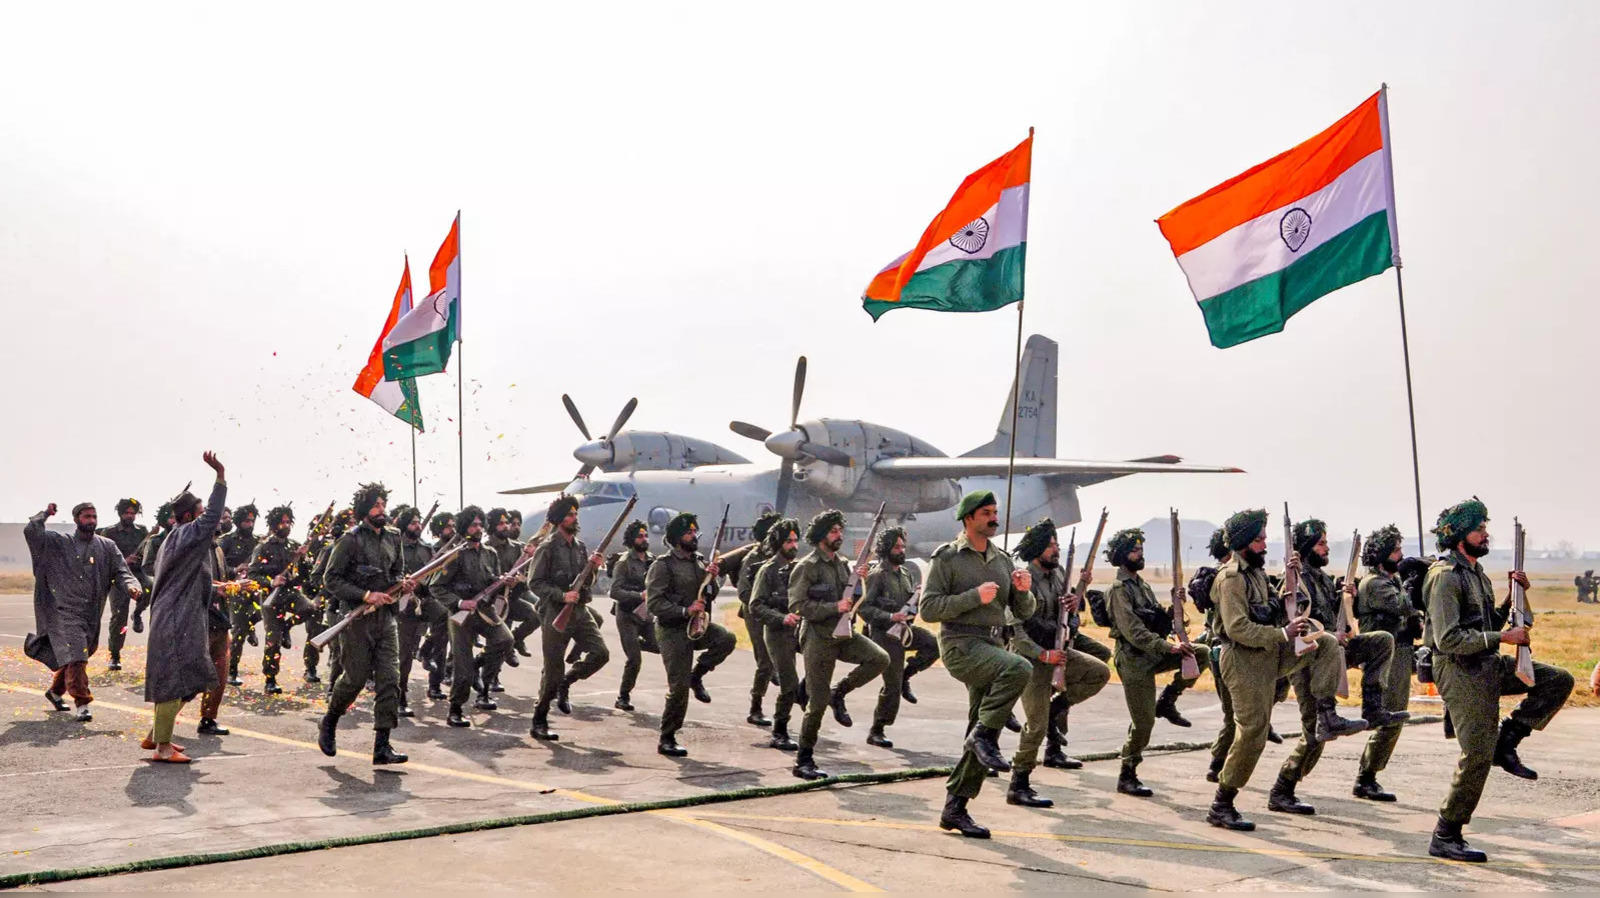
(854,465)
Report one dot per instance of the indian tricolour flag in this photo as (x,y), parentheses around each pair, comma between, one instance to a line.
(398,398)
(1264,245)
(972,256)
(420,343)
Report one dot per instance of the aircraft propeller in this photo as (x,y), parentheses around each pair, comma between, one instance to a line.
(793,445)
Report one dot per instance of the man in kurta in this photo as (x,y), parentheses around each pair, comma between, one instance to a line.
(672,594)
(637,633)
(971,585)
(178,663)
(129,538)
(71,575)
(891,620)
(558,562)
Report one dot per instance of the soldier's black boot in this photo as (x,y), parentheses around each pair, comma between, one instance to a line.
(982,743)
(1512,732)
(1448,844)
(841,714)
(669,747)
(383,752)
(1013,724)
(876,737)
(905,690)
(457,718)
(780,737)
(1331,726)
(249,636)
(564,695)
(1167,706)
(510,660)
(757,718)
(574,654)
(138,625)
(233,674)
(272,687)
(622,703)
(1272,736)
(1373,712)
(521,646)
(116,662)
(1128,782)
(1224,814)
(1215,772)
(1367,787)
(801,696)
(311,674)
(1058,759)
(209,727)
(327,732)
(405,709)
(484,702)
(541,725)
(1282,799)
(697,687)
(805,766)
(1020,792)
(955,817)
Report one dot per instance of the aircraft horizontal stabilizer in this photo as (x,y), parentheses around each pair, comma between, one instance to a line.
(541,488)
(1073,471)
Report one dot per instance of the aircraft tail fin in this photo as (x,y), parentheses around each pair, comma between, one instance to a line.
(1036,413)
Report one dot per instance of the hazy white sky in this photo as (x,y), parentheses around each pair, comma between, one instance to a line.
(203,212)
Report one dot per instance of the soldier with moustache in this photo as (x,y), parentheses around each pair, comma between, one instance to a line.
(424,610)
(557,564)
(272,569)
(889,589)
(1382,606)
(128,537)
(435,650)
(1464,634)
(753,560)
(780,627)
(520,610)
(672,596)
(1084,675)
(817,593)
(1371,652)
(470,572)
(627,597)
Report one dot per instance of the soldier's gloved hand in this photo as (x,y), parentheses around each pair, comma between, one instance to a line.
(987,591)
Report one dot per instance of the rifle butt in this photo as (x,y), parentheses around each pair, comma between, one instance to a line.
(563,618)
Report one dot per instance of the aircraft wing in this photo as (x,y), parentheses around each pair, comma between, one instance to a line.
(541,488)
(1077,472)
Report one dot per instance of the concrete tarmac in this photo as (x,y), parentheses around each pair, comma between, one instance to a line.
(83,794)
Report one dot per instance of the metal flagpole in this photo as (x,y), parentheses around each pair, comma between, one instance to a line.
(1400,294)
(413,467)
(1016,398)
(461,380)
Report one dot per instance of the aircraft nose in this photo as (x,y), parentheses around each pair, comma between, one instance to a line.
(595,452)
(786,444)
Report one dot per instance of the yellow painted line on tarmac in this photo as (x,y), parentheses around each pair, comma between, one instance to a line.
(804,862)
(1148,843)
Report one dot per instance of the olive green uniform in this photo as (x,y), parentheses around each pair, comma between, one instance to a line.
(1085,674)
(238,550)
(671,586)
(521,615)
(558,562)
(816,585)
(275,556)
(888,591)
(1141,625)
(1382,606)
(769,605)
(465,575)
(971,640)
(1256,653)
(753,628)
(128,538)
(627,594)
(367,560)
(1463,633)
(421,613)
(1371,652)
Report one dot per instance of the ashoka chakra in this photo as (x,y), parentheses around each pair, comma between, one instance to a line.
(971,238)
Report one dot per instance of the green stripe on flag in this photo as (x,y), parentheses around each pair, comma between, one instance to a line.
(428,354)
(1261,306)
(410,411)
(965,285)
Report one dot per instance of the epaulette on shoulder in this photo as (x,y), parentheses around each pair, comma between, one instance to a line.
(946,550)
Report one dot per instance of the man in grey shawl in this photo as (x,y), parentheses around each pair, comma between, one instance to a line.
(72,575)
(178,664)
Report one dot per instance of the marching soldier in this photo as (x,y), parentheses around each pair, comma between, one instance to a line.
(365,569)
(557,564)
(129,537)
(769,604)
(970,587)
(889,592)
(316,583)
(627,595)
(753,560)
(1464,637)
(1200,592)
(1371,652)
(1382,606)
(817,593)
(275,568)
(672,596)
(425,610)
(1258,638)
(519,607)
(435,651)
(1035,639)
(238,550)
(1142,630)
(469,573)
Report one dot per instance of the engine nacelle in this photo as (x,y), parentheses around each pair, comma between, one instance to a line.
(855,487)
(653,450)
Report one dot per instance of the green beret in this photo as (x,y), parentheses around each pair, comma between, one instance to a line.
(1381,543)
(1459,520)
(632,531)
(560,508)
(973,501)
(817,530)
(763,524)
(1036,540)
(678,526)
(1122,543)
(440,521)
(887,539)
(779,532)
(1244,527)
(1306,534)
(1218,547)
(366,496)
(125,504)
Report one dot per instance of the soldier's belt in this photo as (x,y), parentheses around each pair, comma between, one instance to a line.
(995,635)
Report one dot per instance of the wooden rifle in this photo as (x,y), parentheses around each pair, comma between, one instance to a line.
(1521,614)
(902,629)
(701,622)
(1189,668)
(428,519)
(846,627)
(1065,631)
(319,525)
(1058,678)
(321,640)
(1341,624)
(564,617)
(502,602)
(1291,588)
